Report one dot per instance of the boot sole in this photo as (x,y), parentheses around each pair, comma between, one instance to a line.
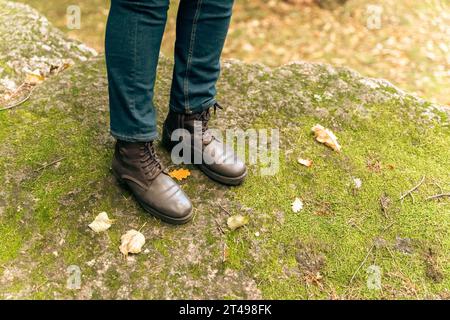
(151,210)
(231,181)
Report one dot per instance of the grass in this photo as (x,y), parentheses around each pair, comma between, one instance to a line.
(328,184)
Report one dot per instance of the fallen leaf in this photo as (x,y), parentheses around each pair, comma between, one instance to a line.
(34,78)
(324,209)
(311,261)
(132,242)
(326,136)
(297,205)
(314,278)
(306,162)
(180,174)
(374,165)
(235,222)
(390,166)
(101,223)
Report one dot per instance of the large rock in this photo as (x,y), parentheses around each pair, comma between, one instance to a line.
(29,43)
(54,179)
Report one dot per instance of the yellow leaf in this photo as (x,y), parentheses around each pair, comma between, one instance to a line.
(180,174)
(326,136)
(235,222)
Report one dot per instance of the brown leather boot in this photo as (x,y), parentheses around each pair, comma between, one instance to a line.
(223,165)
(136,165)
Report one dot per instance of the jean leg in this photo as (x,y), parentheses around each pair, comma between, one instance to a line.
(202,27)
(133,40)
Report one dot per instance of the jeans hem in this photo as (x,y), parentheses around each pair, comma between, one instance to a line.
(198,109)
(135,137)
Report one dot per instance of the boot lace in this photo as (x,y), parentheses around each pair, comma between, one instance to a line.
(204,117)
(151,164)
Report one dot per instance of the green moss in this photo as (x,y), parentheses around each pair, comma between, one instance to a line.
(47,210)
(404,150)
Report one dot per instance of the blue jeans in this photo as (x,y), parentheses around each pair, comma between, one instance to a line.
(133,40)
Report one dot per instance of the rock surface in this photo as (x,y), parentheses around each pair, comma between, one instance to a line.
(54,180)
(30,43)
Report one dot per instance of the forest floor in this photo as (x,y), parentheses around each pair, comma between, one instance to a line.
(410,47)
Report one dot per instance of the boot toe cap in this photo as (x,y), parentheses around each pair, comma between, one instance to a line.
(235,170)
(166,200)
(178,207)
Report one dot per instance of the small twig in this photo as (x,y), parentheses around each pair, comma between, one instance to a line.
(368,253)
(438,185)
(194,215)
(219,227)
(224,252)
(388,227)
(412,197)
(359,228)
(226,211)
(19,102)
(413,189)
(142,226)
(355,225)
(17,90)
(362,263)
(384,203)
(49,164)
(440,195)
(399,268)
(41,285)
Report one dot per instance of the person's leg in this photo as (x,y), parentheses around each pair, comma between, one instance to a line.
(202,27)
(133,39)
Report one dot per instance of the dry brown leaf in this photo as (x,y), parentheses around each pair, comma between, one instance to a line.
(132,242)
(235,222)
(101,222)
(314,278)
(180,174)
(326,136)
(306,162)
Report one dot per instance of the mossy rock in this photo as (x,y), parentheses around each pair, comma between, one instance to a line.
(390,141)
(30,43)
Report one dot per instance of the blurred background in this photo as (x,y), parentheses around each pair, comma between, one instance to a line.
(404,41)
